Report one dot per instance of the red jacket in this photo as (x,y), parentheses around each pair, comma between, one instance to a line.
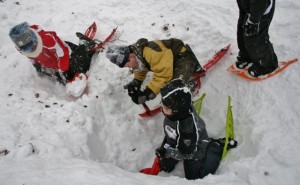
(51,51)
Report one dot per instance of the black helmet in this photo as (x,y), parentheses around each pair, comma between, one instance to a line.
(176,95)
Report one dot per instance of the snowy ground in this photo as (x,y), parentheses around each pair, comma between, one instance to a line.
(99,139)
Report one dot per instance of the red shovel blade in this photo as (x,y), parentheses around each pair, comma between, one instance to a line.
(147,171)
(149,112)
(154,170)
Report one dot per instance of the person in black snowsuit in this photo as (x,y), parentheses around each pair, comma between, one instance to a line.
(186,136)
(255,48)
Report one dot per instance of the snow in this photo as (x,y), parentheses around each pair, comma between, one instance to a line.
(98,138)
(77,86)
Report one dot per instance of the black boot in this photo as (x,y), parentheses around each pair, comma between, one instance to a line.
(257,70)
(89,43)
(242,63)
(221,141)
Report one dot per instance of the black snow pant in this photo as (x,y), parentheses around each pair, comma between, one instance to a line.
(195,169)
(80,60)
(257,49)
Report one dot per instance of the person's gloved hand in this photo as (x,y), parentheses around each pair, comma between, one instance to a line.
(136,84)
(160,152)
(76,86)
(251,27)
(140,97)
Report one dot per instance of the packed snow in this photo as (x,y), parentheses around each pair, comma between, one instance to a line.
(50,138)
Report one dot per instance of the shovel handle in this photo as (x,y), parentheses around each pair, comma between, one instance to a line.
(146,108)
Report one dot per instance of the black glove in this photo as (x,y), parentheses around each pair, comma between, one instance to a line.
(251,27)
(140,97)
(38,68)
(136,84)
(43,71)
(160,152)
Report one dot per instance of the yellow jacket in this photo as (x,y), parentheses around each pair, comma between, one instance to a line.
(160,61)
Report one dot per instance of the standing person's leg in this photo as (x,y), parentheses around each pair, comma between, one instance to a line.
(261,50)
(243,58)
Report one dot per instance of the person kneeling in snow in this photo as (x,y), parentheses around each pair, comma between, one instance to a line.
(167,59)
(186,136)
(53,57)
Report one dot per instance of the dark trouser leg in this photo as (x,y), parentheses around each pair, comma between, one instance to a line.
(260,48)
(80,60)
(198,67)
(212,159)
(167,164)
(185,66)
(192,169)
(195,169)
(71,45)
(243,53)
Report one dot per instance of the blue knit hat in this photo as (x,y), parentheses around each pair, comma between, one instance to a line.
(118,54)
(23,37)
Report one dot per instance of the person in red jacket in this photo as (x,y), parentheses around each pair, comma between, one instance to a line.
(51,56)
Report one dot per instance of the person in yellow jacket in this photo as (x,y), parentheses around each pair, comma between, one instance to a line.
(167,59)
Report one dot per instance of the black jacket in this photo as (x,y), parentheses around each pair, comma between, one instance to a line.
(256,8)
(185,139)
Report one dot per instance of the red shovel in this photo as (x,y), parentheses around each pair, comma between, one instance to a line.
(154,170)
(149,112)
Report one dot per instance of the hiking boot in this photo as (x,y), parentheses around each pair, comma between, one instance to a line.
(257,71)
(89,43)
(242,63)
(221,141)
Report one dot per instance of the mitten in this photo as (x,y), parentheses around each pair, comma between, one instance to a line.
(134,84)
(140,97)
(76,86)
(160,152)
